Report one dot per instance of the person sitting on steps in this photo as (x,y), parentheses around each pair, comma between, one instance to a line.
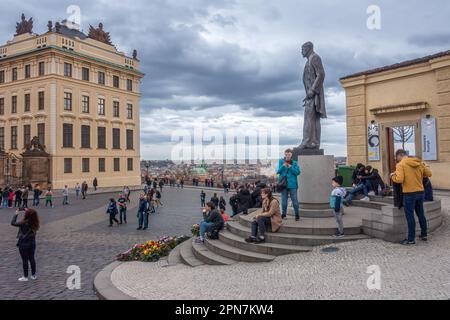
(212,220)
(268,220)
(359,185)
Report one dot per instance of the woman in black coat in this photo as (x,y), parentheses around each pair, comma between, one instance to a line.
(27,241)
(212,220)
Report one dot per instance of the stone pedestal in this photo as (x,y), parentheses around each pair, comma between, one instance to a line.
(315,185)
(36,168)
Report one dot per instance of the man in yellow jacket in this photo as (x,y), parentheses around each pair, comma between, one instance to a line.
(410,173)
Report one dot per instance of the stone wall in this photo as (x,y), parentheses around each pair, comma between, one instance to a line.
(390,223)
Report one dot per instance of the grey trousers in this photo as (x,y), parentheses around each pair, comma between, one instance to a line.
(339,221)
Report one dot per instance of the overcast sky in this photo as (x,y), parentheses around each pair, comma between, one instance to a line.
(237,63)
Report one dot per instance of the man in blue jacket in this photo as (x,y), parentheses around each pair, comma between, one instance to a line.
(289,170)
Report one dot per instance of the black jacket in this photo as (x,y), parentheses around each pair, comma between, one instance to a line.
(215,200)
(215,217)
(26,236)
(245,200)
(256,196)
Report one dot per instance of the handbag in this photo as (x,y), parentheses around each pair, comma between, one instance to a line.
(283,184)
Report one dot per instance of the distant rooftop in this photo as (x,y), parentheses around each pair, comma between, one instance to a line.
(399,65)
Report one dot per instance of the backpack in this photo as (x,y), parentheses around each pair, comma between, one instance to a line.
(213,234)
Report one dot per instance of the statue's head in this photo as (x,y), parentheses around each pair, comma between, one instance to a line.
(307,49)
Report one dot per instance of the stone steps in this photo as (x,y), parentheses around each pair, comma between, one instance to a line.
(386,200)
(294,239)
(206,256)
(187,256)
(237,254)
(309,226)
(174,257)
(369,204)
(272,249)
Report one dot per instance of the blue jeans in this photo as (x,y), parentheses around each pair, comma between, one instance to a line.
(284,201)
(414,202)
(5,203)
(36,200)
(204,226)
(360,187)
(143,219)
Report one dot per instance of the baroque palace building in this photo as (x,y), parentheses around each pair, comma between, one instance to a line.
(405,105)
(79,95)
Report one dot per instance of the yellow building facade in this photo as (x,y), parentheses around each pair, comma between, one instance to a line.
(81,97)
(406,105)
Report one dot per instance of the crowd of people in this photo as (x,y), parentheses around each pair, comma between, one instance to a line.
(411,185)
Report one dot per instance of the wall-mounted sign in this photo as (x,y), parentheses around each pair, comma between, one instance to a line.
(429,141)
(374,142)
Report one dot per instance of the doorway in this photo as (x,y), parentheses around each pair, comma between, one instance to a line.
(404,137)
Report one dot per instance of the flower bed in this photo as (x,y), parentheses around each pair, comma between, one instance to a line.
(152,250)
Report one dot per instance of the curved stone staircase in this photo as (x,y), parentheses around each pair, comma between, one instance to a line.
(377,218)
(293,237)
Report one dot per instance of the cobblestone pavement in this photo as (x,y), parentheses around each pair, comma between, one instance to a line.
(419,272)
(79,235)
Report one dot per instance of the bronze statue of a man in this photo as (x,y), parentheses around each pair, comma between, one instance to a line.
(314,103)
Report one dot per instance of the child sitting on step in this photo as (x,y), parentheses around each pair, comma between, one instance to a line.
(336,201)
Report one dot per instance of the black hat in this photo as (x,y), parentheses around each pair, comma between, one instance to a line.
(339,180)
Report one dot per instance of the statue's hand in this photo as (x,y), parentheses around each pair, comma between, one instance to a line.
(311,94)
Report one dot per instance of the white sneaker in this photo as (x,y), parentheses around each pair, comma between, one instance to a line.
(23,279)
(34,277)
(367,199)
(372,193)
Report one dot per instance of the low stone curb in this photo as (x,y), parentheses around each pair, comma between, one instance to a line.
(103,286)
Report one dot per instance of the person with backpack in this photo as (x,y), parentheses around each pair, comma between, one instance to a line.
(95,183)
(112,211)
(336,203)
(288,171)
(26,243)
